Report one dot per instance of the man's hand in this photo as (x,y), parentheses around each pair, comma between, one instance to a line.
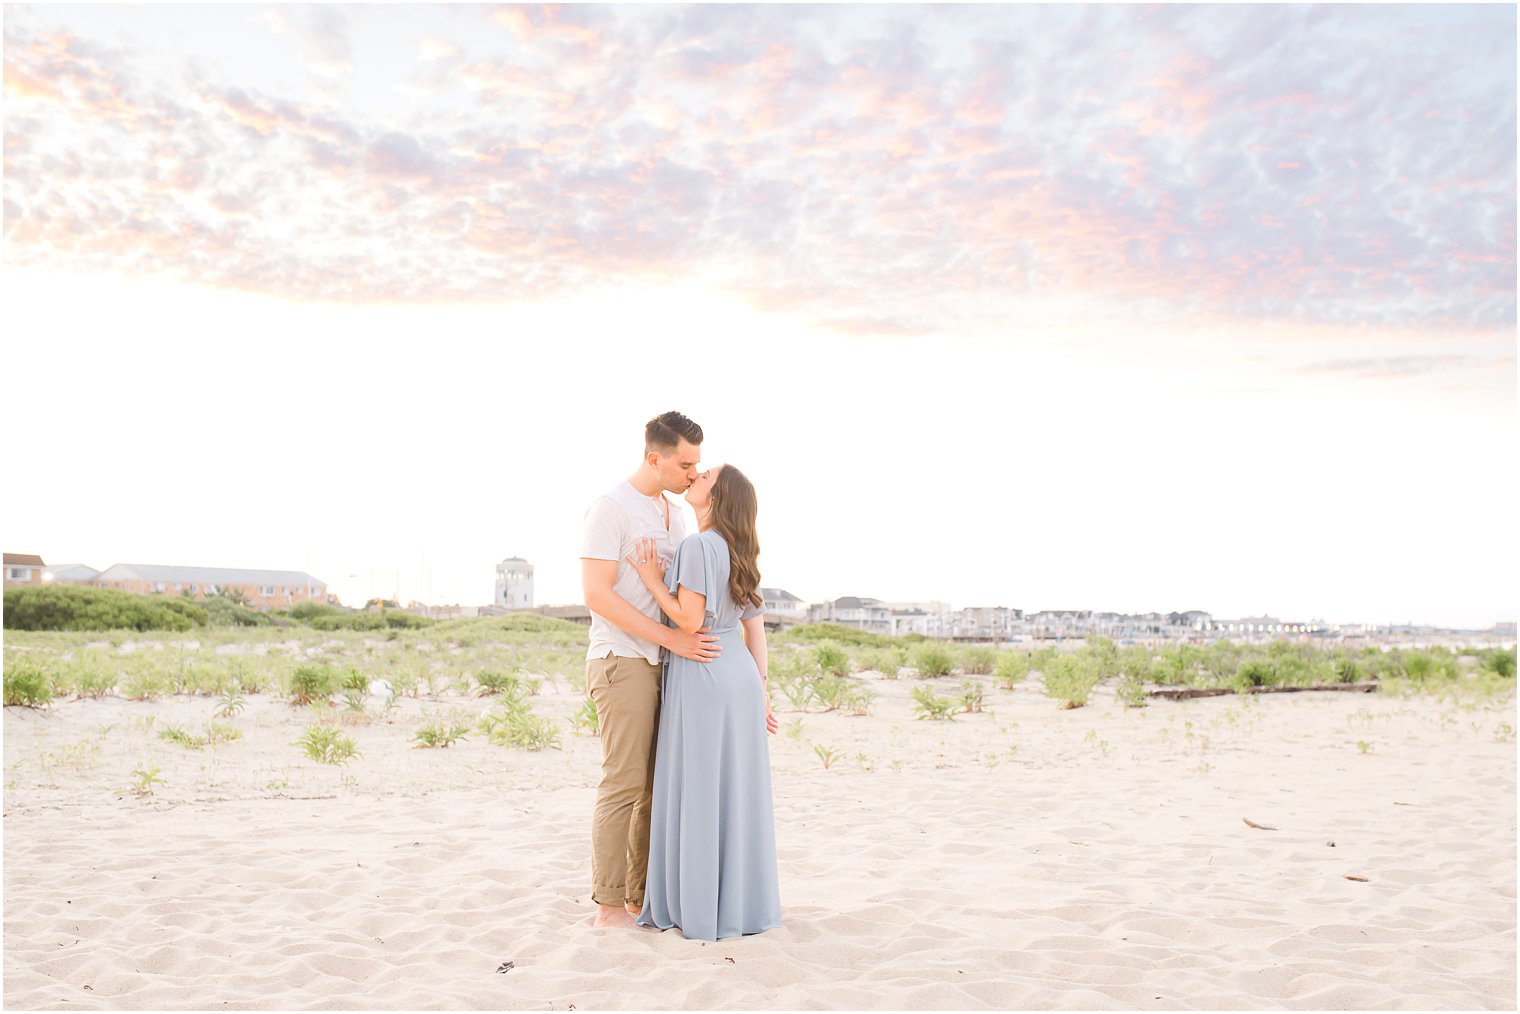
(699,647)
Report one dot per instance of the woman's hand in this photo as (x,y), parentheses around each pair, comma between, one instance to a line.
(771,724)
(646,560)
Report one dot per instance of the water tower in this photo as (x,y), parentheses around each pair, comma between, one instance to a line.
(514,583)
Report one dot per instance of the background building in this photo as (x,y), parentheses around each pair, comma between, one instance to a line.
(514,583)
(22,569)
(261,589)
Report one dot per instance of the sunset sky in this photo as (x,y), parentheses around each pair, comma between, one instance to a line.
(1122,308)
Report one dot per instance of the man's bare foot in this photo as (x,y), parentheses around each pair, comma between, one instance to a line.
(634,910)
(613,917)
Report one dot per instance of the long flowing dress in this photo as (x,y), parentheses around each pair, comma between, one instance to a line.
(712,835)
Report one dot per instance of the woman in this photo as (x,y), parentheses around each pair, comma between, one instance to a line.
(712,838)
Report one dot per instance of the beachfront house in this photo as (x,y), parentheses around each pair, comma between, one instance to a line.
(872,615)
(23,569)
(261,589)
(988,623)
(779,602)
(69,573)
(514,583)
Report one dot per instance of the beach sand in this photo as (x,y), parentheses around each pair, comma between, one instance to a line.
(1024,857)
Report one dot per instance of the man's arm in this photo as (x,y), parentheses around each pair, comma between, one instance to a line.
(597,579)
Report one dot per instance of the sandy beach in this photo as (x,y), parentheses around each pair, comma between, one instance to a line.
(1022,857)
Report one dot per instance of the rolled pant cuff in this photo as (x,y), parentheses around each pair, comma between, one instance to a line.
(604,895)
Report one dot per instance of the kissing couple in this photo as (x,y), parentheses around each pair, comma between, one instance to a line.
(683,833)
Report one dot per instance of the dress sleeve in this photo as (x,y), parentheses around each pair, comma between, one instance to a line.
(750,612)
(689,566)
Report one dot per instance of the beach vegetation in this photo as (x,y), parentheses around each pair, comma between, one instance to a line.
(1131,690)
(931,658)
(888,661)
(793,729)
(143,683)
(1010,669)
(229,704)
(929,705)
(326,744)
(440,735)
(513,724)
(830,658)
(810,633)
(27,684)
(586,720)
(972,695)
(1070,679)
(857,701)
(75,607)
(797,691)
(827,754)
(143,781)
(977,659)
(309,683)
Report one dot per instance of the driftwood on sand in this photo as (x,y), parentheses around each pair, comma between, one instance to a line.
(1191,692)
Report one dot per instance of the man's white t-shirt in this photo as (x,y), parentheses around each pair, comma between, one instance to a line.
(614,525)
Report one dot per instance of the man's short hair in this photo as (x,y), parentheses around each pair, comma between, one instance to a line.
(664,432)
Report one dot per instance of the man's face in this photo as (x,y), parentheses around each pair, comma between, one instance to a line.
(678,470)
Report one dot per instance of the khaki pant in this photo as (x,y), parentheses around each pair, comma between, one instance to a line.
(626,692)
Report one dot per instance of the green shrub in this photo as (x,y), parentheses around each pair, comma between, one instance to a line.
(1070,679)
(223,612)
(72,607)
(836,632)
(977,659)
(887,661)
(1500,662)
(586,719)
(497,683)
(1131,690)
(931,659)
(26,684)
(1011,668)
(829,691)
(929,705)
(312,682)
(512,724)
(831,658)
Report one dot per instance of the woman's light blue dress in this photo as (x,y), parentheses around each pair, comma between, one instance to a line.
(712,835)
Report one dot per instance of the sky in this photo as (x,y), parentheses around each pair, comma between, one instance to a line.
(1121,308)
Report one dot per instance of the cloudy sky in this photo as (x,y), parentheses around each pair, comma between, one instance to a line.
(1055,307)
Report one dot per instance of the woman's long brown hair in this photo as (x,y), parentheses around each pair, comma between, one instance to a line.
(733,517)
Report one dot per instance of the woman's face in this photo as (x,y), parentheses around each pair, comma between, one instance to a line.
(699,495)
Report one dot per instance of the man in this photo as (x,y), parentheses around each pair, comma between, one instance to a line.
(623,663)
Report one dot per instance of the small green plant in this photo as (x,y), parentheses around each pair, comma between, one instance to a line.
(1504,732)
(1363,747)
(325,744)
(971,695)
(532,685)
(829,691)
(26,684)
(857,701)
(439,735)
(887,661)
(797,691)
(826,754)
(793,729)
(865,762)
(513,724)
(586,719)
(143,780)
(929,705)
(230,703)
(174,734)
(932,659)
(217,732)
(493,682)
(1131,691)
